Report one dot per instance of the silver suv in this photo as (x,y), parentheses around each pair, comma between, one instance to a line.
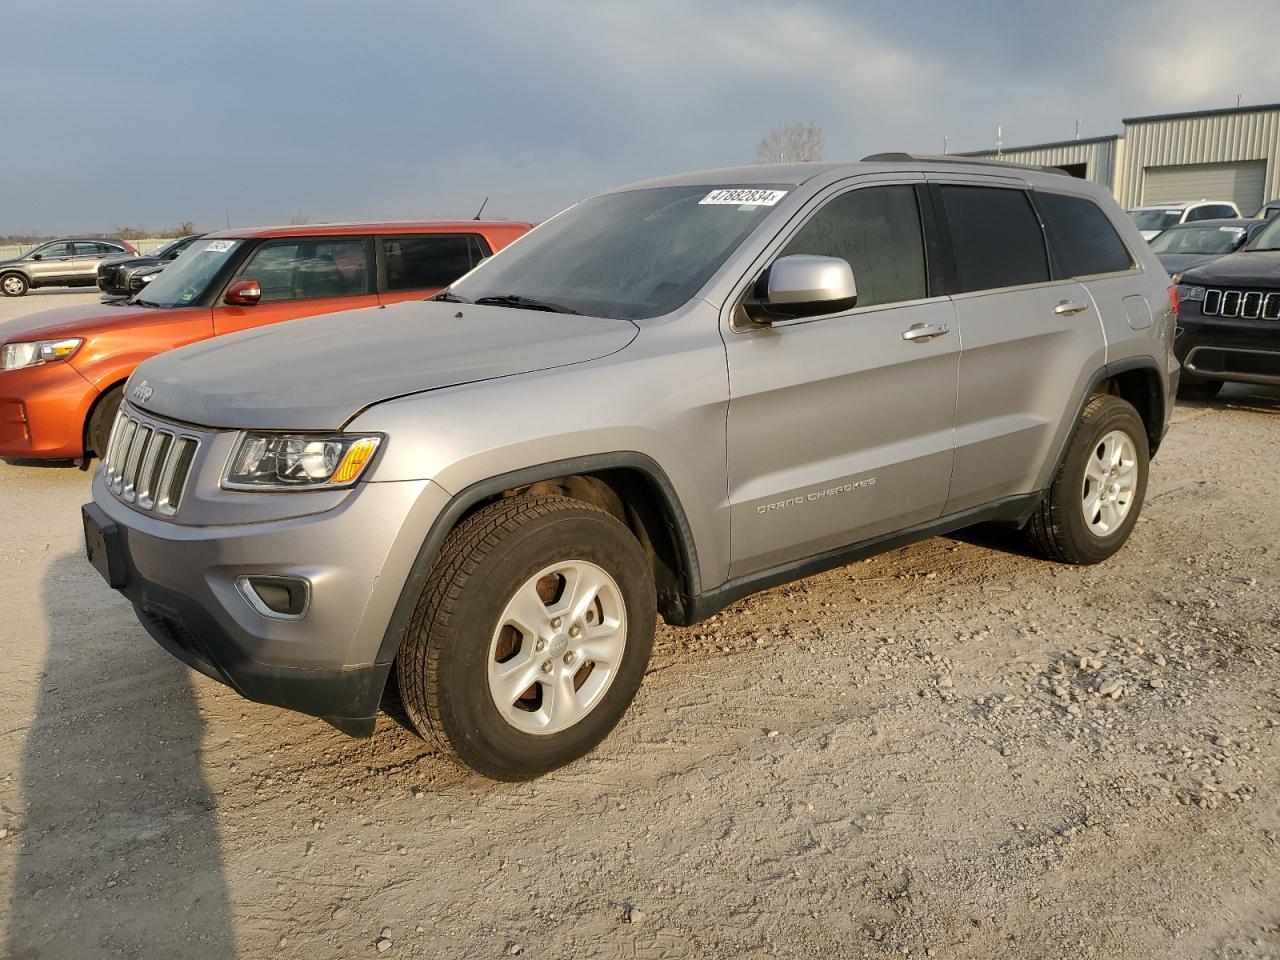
(60,263)
(663,399)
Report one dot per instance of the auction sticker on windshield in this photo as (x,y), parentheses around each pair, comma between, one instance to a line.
(744,196)
(220,246)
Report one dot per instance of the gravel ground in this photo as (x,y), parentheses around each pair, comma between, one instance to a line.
(953,750)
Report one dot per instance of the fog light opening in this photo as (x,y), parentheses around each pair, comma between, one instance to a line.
(280,598)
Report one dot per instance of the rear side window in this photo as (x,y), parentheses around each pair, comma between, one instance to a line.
(430,261)
(86,249)
(877,230)
(306,269)
(1084,241)
(995,238)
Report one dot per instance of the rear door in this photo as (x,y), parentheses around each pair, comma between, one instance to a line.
(85,257)
(301,277)
(415,266)
(1027,336)
(840,426)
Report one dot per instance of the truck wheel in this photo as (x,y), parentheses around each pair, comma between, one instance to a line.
(13,284)
(1094,500)
(1199,389)
(530,637)
(101,421)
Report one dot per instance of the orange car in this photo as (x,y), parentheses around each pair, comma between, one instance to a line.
(62,372)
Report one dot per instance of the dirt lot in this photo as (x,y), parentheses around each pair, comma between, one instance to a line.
(951,751)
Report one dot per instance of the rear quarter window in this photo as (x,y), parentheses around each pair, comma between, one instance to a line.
(996,238)
(1083,238)
(430,261)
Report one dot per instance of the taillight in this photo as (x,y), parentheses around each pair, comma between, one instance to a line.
(1173,298)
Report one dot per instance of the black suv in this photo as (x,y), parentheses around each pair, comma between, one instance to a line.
(1229,323)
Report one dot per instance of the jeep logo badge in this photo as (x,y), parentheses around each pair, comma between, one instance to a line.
(142,392)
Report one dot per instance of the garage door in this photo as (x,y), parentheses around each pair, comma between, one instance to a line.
(1242,182)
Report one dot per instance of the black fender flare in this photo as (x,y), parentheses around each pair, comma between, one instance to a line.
(481,490)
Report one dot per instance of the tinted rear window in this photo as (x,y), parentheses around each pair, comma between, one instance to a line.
(1084,241)
(996,238)
(430,261)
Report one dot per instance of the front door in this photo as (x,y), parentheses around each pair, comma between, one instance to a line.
(52,264)
(301,277)
(840,426)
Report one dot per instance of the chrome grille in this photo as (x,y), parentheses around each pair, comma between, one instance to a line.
(148,464)
(1244,304)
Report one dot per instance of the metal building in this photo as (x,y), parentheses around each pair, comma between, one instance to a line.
(1229,154)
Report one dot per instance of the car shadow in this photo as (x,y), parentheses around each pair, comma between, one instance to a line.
(118,848)
(1243,396)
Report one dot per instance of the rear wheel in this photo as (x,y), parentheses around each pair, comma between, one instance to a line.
(13,284)
(1199,389)
(531,636)
(1096,497)
(101,421)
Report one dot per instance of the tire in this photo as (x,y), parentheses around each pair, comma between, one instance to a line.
(98,431)
(1059,529)
(463,635)
(1199,389)
(14,285)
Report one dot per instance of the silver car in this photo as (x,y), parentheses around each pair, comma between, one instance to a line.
(60,263)
(663,399)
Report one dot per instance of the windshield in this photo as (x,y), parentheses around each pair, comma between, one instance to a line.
(632,255)
(174,247)
(185,280)
(1155,219)
(1268,237)
(1198,240)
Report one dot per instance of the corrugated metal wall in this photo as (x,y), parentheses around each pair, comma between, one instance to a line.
(1204,139)
(1098,156)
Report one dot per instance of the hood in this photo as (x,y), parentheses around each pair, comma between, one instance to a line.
(1175,263)
(131,260)
(75,321)
(1248,268)
(317,373)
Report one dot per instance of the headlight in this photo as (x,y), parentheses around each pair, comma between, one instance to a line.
(16,355)
(1186,292)
(293,461)
(147,277)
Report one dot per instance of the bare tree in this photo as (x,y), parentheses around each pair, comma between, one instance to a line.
(790,144)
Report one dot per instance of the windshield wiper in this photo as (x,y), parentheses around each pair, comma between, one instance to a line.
(523,303)
(143,303)
(448,296)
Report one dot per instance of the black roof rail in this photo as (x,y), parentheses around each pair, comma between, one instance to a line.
(949,158)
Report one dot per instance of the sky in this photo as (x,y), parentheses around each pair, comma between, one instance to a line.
(146,114)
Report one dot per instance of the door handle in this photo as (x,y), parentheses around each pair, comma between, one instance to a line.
(1067,307)
(920,332)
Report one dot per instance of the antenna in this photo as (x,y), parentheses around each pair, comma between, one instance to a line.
(481,210)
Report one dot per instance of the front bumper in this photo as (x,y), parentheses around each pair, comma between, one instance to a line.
(1235,350)
(43,411)
(357,557)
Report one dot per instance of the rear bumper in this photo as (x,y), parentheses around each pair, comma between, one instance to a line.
(1238,351)
(43,411)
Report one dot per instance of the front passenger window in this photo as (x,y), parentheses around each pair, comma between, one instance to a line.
(877,230)
(308,269)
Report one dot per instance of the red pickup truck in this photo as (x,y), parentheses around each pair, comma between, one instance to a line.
(62,372)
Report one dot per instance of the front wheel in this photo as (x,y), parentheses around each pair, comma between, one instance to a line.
(13,285)
(1096,496)
(530,637)
(101,421)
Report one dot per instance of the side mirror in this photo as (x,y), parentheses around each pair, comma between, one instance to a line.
(37,256)
(243,293)
(802,285)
